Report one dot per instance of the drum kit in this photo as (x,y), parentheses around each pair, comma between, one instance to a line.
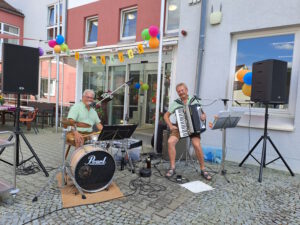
(91,167)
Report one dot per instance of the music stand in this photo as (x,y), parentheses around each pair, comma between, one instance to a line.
(119,132)
(224,120)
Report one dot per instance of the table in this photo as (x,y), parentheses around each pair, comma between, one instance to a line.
(12,108)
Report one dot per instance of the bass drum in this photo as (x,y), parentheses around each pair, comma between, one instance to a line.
(92,167)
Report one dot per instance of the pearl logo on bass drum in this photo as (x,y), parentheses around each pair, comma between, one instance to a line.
(93,162)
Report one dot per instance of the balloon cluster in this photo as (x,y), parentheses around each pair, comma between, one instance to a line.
(144,86)
(152,35)
(58,44)
(245,76)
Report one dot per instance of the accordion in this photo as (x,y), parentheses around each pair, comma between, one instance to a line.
(189,120)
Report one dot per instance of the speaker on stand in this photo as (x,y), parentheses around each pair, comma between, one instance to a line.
(20,76)
(269,81)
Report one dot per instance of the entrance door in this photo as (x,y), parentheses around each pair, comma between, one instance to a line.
(150,98)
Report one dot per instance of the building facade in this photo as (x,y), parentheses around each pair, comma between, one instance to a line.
(98,29)
(248,31)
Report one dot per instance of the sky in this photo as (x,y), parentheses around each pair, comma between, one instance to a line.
(272,47)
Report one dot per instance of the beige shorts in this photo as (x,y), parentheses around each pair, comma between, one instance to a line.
(176,134)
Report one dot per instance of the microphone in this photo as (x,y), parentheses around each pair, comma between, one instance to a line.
(130,81)
(92,104)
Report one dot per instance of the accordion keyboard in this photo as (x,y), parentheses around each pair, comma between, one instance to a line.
(181,122)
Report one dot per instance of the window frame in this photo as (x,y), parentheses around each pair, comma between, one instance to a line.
(8,33)
(52,92)
(54,26)
(123,11)
(166,20)
(87,19)
(289,112)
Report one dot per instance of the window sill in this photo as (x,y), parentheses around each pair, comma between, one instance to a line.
(275,122)
(92,45)
(127,41)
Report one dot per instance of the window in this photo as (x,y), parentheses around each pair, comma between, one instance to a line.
(255,49)
(128,24)
(91,33)
(172,16)
(52,21)
(44,88)
(9,30)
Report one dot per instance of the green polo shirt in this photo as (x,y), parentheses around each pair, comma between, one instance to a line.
(175,105)
(80,113)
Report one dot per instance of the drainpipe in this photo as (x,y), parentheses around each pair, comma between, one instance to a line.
(201,45)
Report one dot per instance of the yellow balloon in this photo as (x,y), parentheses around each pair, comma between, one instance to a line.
(246,90)
(240,75)
(57,49)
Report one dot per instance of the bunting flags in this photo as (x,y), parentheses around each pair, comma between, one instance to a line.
(112,58)
(130,54)
(121,56)
(103,60)
(94,59)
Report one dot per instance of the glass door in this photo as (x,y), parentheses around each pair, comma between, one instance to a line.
(150,98)
(116,77)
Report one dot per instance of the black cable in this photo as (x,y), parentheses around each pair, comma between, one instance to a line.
(146,188)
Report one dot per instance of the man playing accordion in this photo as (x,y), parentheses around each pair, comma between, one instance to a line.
(184,100)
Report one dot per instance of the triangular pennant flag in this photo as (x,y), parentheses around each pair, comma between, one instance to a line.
(121,56)
(94,59)
(86,58)
(140,48)
(130,54)
(76,55)
(103,60)
(112,59)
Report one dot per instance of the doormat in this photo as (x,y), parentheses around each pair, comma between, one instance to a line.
(71,197)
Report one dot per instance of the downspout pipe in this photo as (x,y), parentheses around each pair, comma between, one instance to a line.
(201,45)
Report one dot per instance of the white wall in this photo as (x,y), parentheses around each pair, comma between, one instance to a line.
(35,21)
(76,3)
(238,16)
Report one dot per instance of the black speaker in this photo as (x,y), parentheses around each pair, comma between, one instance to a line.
(269,82)
(20,69)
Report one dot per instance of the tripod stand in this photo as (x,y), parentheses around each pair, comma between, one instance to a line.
(265,137)
(19,132)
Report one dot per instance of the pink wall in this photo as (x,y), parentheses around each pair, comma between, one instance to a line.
(69,80)
(108,13)
(14,20)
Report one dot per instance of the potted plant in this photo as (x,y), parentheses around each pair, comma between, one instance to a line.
(1,99)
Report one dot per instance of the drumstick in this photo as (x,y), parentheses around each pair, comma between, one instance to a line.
(87,135)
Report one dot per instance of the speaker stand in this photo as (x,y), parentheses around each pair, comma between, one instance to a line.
(265,137)
(19,132)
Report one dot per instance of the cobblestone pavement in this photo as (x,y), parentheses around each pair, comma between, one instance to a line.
(242,201)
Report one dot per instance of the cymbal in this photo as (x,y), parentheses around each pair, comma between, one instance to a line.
(73,123)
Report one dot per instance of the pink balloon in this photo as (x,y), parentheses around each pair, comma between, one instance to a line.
(153,31)
(52,43)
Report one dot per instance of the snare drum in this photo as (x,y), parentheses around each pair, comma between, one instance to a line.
(92,167)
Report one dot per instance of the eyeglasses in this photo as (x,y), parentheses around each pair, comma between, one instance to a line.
(90,97)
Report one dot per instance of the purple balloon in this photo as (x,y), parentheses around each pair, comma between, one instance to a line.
(41,51)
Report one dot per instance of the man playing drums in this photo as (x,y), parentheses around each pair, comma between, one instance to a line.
(84,113)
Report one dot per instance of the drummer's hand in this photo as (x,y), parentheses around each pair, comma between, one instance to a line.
(173,128)
(203,116)
(78,138)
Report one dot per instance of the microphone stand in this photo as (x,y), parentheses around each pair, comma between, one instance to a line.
(110,95)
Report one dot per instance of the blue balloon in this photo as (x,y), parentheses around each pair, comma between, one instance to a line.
(158,36)
(137,85)
(248,78)
(60,39)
